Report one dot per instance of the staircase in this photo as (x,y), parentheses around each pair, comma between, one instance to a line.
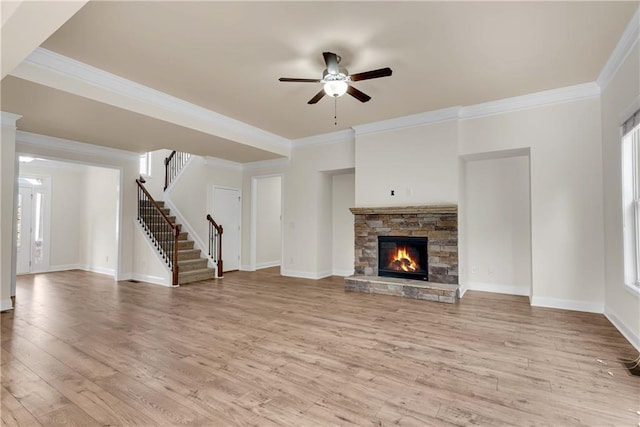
(191,266)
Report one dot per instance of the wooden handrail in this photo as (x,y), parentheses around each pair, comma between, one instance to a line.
(175,230)
(215,243)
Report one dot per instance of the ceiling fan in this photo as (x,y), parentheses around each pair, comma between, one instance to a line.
(337,81)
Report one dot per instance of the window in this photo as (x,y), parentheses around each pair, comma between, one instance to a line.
(631,200)
(145,164)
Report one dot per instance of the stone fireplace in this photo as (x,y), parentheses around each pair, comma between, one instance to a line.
(434,225)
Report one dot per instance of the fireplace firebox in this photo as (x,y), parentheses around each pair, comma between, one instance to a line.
(404,257)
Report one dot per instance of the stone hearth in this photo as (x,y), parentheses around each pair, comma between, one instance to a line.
(439,223)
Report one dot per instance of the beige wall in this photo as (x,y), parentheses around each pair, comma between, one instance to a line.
(98,239)
(344,195)
(498,227)
(620,99)
(420,164)
(7,187)
(566,195)
(67,200)
(268,224)
(191,195)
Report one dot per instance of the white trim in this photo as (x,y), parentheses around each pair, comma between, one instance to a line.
(497,288)
(305,274)
(63,267)
(9,119)
(532,100)
(222,163)
(267,264)
(28,139)
(100,270)
(625,45)
(246,267)
(155,280)
(264,164)
(626,332)
(347,135)
(5,305)
(629,111)
(342,273)
(463,290)
(61,65)
(565,304)
(405,122)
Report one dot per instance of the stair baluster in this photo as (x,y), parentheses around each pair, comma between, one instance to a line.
(152,218)
(215,243)
(173,165)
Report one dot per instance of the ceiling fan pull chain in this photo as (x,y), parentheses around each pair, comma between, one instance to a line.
(335,111)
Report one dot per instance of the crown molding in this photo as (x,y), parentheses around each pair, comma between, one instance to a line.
(9,119)
(28,139)
(627,41)
(40,163)
(222,163)
(87,74)
(532,100)
(347,135)
(264,164)
(405,122)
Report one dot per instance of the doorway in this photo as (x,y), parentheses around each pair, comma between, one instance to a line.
(266,221)
(227,211)
(32,224)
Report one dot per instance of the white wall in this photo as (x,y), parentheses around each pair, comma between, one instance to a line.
(7,187)
(344,194)
(155,180)
(67,192)
(98,238)
(420,164)
(498,225)
(566,195)
(620,99)
(268,223)
(191,195)
(147,265)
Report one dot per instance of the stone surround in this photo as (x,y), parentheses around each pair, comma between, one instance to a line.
(403,287)
(439,223)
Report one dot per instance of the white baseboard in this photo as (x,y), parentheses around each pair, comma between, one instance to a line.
(246,267)
(342,273)
(305,274)
(65,267)
(267,264)
(626,332)
(156,280)
(85,267)
(5,305)
(497,288)
(463,290)
(564,304)
(124,276)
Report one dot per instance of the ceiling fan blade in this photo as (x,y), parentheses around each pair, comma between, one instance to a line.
(331,59)
(287,79)
(374,74)
(359,95)
(317,98)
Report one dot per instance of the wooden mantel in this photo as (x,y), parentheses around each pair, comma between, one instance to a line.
(386,210)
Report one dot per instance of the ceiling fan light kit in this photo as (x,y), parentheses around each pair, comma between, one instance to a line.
(336,81)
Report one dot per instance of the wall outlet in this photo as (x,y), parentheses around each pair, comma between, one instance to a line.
(474,269)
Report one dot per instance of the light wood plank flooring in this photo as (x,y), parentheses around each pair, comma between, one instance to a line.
(260,349)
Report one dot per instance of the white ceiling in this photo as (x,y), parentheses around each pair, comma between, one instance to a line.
(228,56)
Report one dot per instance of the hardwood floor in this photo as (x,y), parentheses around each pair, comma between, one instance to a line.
(260,349)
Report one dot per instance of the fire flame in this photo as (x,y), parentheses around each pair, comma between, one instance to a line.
(402,261)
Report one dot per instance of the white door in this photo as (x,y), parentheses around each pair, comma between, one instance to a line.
(227,213)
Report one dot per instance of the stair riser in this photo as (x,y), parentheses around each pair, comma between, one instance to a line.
(166,236)
(183,268)
(185,244)
(196,277)
(148,204)
(189,255)
(147,211)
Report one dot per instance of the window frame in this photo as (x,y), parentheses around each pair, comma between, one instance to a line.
(630,168)
(147,158)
